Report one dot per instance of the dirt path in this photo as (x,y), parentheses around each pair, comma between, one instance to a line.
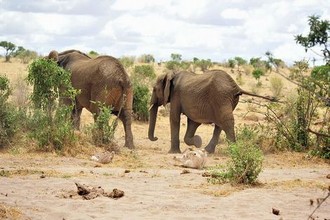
(43,187)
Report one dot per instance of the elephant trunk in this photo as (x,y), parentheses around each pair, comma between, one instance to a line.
(152,122)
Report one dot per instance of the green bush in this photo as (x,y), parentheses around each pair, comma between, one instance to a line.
(141,100)
(8,122)
(245,161)
(50,124)
(144,71)
(141,80)
(257,73)
(103,132)
(52,132)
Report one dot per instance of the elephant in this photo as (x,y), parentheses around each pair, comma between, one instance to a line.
(99,80)
(204,98)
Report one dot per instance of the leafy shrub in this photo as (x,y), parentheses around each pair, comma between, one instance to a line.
(232,63)
(141,101)
(102,131)
(246,161)
(202,64)
(145,71)
(257,73)
(141,80)
(276,86)
(51,132)
(50,125)
(172,65)
(7,113)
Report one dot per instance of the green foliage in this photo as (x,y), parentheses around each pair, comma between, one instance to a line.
(172,65)
(93,53)
(257,73)
(50,124)
(8,114)
(51,131)
(232,63)
(246,161)
(50,82)
(9,47)
(127,61)
(26,56)
(177,63)
(145,71)
(141,100)
(146,58)
(319,32)
(141,79)
(176,57)
(240,61)
(202,64)
(102,131)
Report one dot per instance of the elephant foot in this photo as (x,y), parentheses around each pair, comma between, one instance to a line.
(210,149)
(129,145)
(174,151)
(197,141)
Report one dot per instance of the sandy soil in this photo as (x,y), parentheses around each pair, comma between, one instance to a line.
(42,185)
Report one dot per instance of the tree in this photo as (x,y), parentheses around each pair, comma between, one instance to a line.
(146,58)
(176,57)
(25,55)
(313,96)
(9,47)
(319,34)
(93,53)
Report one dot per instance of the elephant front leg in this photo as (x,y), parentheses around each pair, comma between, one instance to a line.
(175,130)
(190,138)
(210,148)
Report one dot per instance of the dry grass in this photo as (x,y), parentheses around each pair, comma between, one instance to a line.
(7,212)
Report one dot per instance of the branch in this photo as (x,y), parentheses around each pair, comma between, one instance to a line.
(318,133)
(319,204)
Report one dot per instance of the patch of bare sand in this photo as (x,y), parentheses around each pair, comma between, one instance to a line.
(37,186)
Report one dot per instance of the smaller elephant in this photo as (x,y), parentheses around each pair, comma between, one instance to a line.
(204,98)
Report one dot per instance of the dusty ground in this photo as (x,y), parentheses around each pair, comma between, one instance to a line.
(42,185)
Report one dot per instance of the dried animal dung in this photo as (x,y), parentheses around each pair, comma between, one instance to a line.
(90,192)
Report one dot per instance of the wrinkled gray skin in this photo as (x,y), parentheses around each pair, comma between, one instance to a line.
(103,80)
(204,98)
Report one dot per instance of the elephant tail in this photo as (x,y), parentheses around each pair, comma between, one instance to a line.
(269,98)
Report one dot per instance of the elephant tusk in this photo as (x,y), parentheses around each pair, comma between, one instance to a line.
(150,107)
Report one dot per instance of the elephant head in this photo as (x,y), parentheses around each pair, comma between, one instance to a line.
(160,96)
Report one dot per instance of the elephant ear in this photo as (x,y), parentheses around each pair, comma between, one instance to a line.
(53,55)
(167,87)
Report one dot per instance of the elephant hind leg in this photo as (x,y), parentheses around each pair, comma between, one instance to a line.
(126,118)
(76,113)
(210,148)
(228,127)
(190,138)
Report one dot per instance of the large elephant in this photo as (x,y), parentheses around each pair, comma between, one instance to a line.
(99,80)
(204,98)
